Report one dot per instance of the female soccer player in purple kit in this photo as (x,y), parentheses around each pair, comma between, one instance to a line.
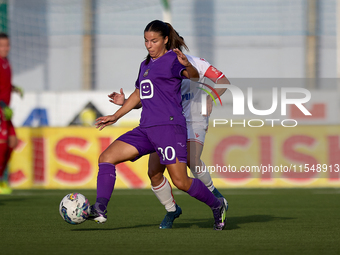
(162,126)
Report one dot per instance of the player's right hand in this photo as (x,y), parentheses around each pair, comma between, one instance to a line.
(8,113)
(117,98)
(104,121)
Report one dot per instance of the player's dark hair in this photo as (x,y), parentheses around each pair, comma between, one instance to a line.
(3,36)
(175,40)
(166,30)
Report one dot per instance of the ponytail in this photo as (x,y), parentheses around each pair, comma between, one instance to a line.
(175,40)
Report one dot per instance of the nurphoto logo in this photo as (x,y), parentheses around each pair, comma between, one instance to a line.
(238,105)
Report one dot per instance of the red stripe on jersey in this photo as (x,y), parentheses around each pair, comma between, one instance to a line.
(213,74)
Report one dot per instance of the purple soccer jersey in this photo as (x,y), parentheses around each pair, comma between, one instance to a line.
(159,83)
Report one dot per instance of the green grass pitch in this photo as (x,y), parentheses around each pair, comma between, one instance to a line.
(260,221)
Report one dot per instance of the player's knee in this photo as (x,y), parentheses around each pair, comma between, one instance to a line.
(106,158)
(183,185)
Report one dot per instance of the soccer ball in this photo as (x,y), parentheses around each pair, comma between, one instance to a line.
(74,208)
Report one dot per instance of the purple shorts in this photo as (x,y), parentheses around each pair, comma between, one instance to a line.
(169,141)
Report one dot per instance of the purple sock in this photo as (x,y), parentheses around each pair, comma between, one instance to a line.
(105,182)
(199,191)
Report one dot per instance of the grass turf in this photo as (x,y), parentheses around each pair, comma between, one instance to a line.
(260,221)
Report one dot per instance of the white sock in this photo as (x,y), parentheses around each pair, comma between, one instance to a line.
(204,176)
(164,194)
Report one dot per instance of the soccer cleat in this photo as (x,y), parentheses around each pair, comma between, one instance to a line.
(97,215)
(217,193)
(220,215)
(170,217)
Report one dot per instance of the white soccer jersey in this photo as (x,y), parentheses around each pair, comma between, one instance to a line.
(191,94)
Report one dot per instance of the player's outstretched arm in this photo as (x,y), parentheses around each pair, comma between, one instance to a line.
(190,71)
(119,99)
(129,104)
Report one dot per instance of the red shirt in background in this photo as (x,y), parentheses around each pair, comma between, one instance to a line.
(5,81)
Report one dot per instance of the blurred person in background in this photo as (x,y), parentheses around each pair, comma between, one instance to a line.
(8,138)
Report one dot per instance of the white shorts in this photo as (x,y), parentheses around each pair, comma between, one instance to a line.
(197,131)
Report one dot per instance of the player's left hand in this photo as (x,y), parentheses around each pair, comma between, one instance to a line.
(104,121)
(18,90)
(182,58)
